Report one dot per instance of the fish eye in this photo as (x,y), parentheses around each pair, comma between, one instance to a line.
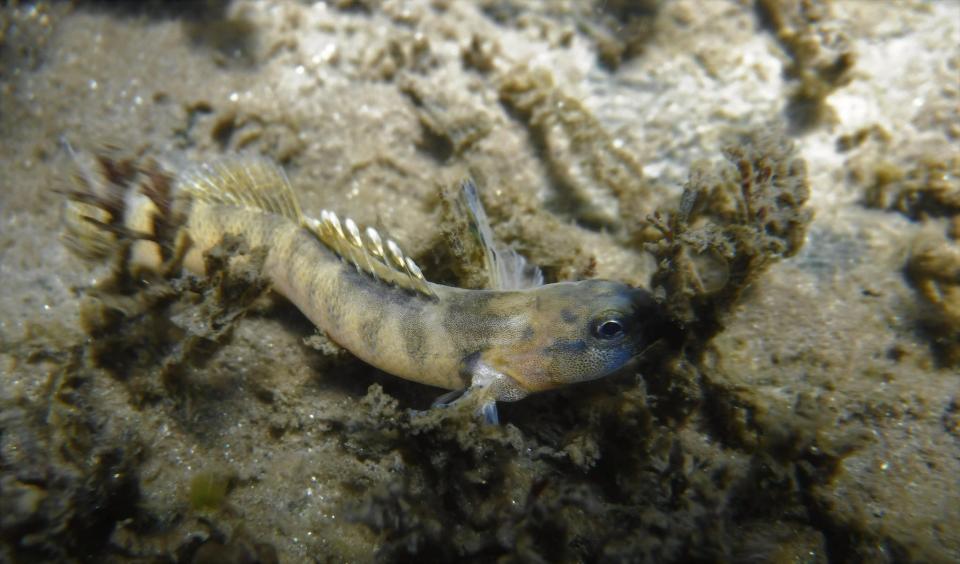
(609,328)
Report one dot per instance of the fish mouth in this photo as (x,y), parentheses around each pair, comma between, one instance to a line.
(643,302)
(650,318)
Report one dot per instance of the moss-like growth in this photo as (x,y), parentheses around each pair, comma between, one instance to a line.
(450,125)
(929,187)
(620,29)
(596,474)
(934,270)
(597,176)
(821,59)
(732,223)
(923,185)
(67,474)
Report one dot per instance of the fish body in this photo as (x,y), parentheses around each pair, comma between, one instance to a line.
(363,292)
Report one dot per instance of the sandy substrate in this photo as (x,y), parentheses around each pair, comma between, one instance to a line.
(815,416)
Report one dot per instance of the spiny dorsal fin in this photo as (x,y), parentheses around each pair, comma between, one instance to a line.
(253,184)
(369,252)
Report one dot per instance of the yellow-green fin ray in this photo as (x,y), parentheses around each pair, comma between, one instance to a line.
(252,184)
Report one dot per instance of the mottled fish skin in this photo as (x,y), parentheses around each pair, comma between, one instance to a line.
(508,343)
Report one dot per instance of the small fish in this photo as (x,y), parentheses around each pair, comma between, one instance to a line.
(361,289)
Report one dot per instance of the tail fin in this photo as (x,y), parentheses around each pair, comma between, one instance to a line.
(120,207)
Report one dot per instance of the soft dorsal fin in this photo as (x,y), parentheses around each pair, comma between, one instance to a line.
(506,269)
(248,183)
(260,185)
(369,252)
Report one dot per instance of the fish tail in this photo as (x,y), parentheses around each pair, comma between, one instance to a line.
(120,207)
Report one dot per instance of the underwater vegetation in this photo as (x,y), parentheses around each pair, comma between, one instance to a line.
(934,270)
(922,184)
(731,224)
(821,57)
(798,405)
(585,162)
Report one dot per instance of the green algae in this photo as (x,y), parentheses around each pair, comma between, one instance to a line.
(208,489)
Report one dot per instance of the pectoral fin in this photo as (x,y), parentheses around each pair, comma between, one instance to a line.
(486,405)
(488,410)
(449,398)
(487,386)
(498,385)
